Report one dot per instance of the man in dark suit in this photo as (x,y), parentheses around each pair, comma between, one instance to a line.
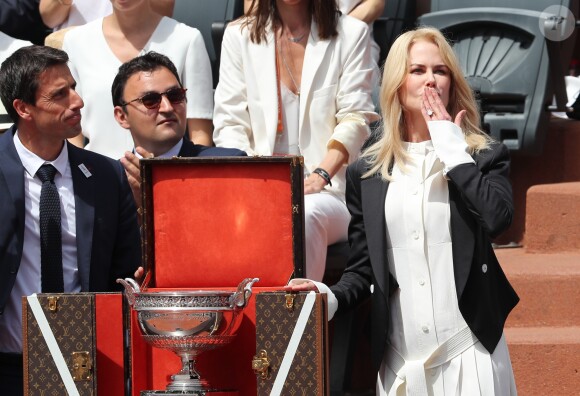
(150,101)
(97,236)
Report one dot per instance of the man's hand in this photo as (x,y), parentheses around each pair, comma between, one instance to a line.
(139,274)
(131,164)
(299,284)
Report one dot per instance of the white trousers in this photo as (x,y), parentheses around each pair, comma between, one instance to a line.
(326,222)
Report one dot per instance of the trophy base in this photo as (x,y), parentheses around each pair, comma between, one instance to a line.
(171,393)
(208,392)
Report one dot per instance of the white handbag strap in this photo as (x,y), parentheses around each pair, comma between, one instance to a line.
(293,344)
(53,347)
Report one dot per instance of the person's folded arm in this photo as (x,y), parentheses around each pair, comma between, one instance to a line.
(368,10)
(54,12)
(355,108)
(232,126)
(197,79)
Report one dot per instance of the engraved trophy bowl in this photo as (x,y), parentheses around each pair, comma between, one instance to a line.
(187,323)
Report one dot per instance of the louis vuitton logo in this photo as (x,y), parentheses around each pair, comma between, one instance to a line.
(279,328)
(66,330)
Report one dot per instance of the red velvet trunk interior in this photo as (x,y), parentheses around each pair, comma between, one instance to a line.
(213,225)
(110,368)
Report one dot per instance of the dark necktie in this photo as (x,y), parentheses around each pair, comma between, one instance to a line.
(50,232)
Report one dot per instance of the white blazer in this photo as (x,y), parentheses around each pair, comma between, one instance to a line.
(335,94)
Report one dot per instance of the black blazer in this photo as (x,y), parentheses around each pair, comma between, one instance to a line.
(481,207)
(21,19)
(108,240)
(189,149)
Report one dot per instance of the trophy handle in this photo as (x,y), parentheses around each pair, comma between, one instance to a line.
(131,288)
(241,296)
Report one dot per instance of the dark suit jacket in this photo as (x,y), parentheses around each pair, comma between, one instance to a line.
(481,207)
(190,149)
(21,19)
(108,240)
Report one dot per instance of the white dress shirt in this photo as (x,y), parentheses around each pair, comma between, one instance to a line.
(28,279)
(287,141)
(173,152)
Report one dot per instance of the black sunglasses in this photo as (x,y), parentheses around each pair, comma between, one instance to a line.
(152,100)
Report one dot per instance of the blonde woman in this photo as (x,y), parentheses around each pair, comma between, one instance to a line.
(425,201)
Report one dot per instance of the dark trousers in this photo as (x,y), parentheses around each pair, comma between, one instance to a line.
(11,378)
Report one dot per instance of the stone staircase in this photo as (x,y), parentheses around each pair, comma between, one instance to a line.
(543,331)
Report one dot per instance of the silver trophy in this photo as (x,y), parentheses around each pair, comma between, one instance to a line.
(187,323)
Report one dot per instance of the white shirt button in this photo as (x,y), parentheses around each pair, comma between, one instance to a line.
(415,234)
(421,282)
(484,268)
(425,329)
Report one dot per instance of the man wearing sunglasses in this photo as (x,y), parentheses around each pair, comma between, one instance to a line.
(150,101)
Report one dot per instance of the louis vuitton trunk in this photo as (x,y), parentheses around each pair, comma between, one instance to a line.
(291,344)
(73,344)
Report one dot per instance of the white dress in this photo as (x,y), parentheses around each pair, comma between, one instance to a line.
(420,258)
(94,66)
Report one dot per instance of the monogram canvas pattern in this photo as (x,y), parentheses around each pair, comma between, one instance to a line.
(73,328)
(274,327)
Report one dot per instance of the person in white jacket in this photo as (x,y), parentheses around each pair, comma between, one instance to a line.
(295,79)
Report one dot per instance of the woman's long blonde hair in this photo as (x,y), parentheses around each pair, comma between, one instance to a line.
(389,149)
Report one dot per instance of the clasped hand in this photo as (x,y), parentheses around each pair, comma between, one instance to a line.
(314,183)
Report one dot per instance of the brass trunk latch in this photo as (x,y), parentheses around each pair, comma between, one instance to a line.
(82,366)
(290,301)
(261,363)
(53,303)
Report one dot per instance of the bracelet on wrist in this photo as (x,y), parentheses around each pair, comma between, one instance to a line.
(324,174)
